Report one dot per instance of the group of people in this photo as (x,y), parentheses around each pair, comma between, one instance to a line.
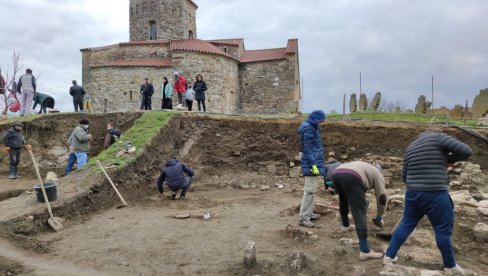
(425,172)
(26,87)
(187,93)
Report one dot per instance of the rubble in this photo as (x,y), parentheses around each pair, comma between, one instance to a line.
(398,270)
(272,169)
(297,261)
(300,234)
(265,188)
(349,242)
(295,172)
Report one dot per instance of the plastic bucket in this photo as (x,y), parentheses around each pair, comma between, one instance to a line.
(51,191)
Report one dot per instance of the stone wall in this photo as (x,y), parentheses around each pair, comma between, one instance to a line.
(480,104)
(120,87)
(219,72)
(269,87)
(174,19)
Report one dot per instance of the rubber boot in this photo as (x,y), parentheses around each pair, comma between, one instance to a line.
(16,172)
(11,172)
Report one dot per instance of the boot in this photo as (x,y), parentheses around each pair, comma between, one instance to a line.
(11,172)
(16,172)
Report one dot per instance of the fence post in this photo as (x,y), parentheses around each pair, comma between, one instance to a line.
(466,113)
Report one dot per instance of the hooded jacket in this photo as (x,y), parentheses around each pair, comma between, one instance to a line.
(81,139)
(180,85)
(166,91)
(13,138)
(174,173)
(311,142)
(40,98)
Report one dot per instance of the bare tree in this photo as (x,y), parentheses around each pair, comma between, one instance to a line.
(387,105)
(10,77)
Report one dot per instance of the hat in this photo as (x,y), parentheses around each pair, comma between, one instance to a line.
(84,122)
(17,124)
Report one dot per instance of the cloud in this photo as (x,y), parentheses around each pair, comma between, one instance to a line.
(397,45)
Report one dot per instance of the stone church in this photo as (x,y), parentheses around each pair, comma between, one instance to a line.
(163,38)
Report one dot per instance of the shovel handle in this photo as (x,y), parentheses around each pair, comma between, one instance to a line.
(44,194)
(113,185)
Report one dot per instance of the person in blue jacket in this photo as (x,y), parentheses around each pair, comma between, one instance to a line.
(312,164)
(178,176)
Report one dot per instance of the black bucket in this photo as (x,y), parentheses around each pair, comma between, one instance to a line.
(51,191)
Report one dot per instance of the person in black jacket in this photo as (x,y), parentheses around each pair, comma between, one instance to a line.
(425,173)
(77,92)
(14,142)
(174,174)
(147,90)
(200,87)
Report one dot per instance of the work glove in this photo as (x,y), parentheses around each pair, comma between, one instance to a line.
(6,150)
(315,170)
(379,221)
(28,147)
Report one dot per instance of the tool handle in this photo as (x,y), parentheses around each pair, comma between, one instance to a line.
(113,185)
(44,194)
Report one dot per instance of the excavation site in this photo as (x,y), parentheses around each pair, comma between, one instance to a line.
(240,216)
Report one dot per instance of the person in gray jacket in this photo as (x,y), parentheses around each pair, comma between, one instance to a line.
(26,87)
(77,92)
(14,142)
(81,142)
(425,173)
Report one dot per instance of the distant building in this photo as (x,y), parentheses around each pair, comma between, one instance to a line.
(163,38)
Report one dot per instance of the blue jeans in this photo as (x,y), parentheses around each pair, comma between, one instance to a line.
(184,187)
(439,209)
(71,163)
(82,158)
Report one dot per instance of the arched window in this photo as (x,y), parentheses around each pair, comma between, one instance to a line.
(153,33)
(190,34)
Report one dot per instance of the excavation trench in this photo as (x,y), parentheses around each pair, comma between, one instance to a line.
(226,152)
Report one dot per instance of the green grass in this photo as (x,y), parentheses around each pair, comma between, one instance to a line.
(404,117)
(140,134)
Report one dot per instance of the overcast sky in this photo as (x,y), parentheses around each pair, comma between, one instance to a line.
(397,44)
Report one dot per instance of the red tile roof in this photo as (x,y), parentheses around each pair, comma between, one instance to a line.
(197,45)
(234,41)
(138,63)
(263,55)
(292,46)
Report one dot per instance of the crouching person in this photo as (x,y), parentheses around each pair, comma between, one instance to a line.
(351,181)
(178,176)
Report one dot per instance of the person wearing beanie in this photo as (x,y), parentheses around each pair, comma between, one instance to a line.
(81,142)
(14,142)
(351,181)
(312,165)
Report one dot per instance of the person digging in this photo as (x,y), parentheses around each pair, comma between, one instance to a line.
(178,176)
(14,143)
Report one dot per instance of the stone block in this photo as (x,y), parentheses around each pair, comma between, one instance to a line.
(271,169)
(297,261)
(353,104)
(295,172)
(481,232)
(250,254)
(480,104)
(363,103)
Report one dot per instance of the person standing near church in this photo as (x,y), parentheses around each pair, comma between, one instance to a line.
(200,87)
(77,92)
(180,87)
(26,87)
(166,94)
(147,91)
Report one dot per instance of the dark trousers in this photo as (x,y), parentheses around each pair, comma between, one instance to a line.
(352,194)
(184,188)
(203,105)
(439,209)
(71,163)
(180,99)
(189,104)
(78,106)
(146,103)
(14,154)
(167,103)
(43,108)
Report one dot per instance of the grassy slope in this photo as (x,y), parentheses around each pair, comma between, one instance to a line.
(403,117)
(140,134)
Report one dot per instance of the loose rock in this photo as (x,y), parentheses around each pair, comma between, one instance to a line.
(295,172)
(250,254)
(347,241)
(271,169)
(481,232)
(297,261)
(265,188)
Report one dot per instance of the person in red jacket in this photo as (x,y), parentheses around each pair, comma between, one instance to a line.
(180,87)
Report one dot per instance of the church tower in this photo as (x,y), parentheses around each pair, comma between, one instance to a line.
(162,19)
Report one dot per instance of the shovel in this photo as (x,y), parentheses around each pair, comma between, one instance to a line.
(113,186)
(55,222)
